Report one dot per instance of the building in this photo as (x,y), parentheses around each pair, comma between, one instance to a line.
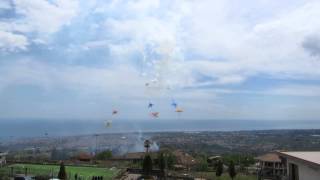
(133,157)
(270,166)
(302,165)
(184,160)
(3,159)
(213,159)
(84,157)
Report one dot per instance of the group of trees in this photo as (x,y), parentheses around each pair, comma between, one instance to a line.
(243,160)
(147,165)
(231,169)
(63,174)
(104,155)
(163,161)
(202,165)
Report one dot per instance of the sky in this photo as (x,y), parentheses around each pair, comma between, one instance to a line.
(217,59)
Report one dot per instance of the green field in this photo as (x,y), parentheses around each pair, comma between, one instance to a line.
(83,172)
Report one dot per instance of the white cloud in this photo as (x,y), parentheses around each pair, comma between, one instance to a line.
(312,45)
(12,42)
(234,43)
(35,20)
(121,87)
(177,43)
(5,4)
(143,5)
(42,16)
(95,44)
(272,47)
(296,90)
(81,79)
(112,81)
(232,47)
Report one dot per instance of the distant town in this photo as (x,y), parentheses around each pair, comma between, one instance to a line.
(186,155)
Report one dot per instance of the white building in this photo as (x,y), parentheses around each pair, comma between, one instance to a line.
(3,159)
(302,165)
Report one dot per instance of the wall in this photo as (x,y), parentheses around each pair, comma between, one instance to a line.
(306,172)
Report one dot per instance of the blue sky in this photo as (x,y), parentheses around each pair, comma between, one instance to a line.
(219,59)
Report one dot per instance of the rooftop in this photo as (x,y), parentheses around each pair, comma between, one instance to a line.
(135,155)
(270,157)
(184,158)
(84,156)
(306,156)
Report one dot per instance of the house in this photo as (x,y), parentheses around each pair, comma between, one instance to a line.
(3,158)
(136,156)
(302,165)
(213,160)
(84,157)
(184,159)
(270,166)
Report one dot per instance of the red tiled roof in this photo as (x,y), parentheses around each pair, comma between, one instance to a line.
(84,156)
(270,157)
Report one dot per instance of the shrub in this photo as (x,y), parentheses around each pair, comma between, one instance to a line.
(104,155)
(62,172)
(232,170)
(219,170)
(147,164)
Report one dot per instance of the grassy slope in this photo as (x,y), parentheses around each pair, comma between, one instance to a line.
(88,172)
(71,170)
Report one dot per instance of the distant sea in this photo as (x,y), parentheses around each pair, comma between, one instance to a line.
(39,128)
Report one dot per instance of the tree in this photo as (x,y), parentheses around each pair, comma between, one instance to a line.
(232,170)
(147,165)
(219,170)
(62,172)
(104,155)
(161,161)
(203,164)
(171,160)
(147,144)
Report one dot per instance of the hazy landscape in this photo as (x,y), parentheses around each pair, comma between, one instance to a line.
(38,128)
(194,142)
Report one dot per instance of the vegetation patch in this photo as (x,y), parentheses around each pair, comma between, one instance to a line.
(72,171)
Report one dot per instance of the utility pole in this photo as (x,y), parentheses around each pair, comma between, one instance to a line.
(96,150)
